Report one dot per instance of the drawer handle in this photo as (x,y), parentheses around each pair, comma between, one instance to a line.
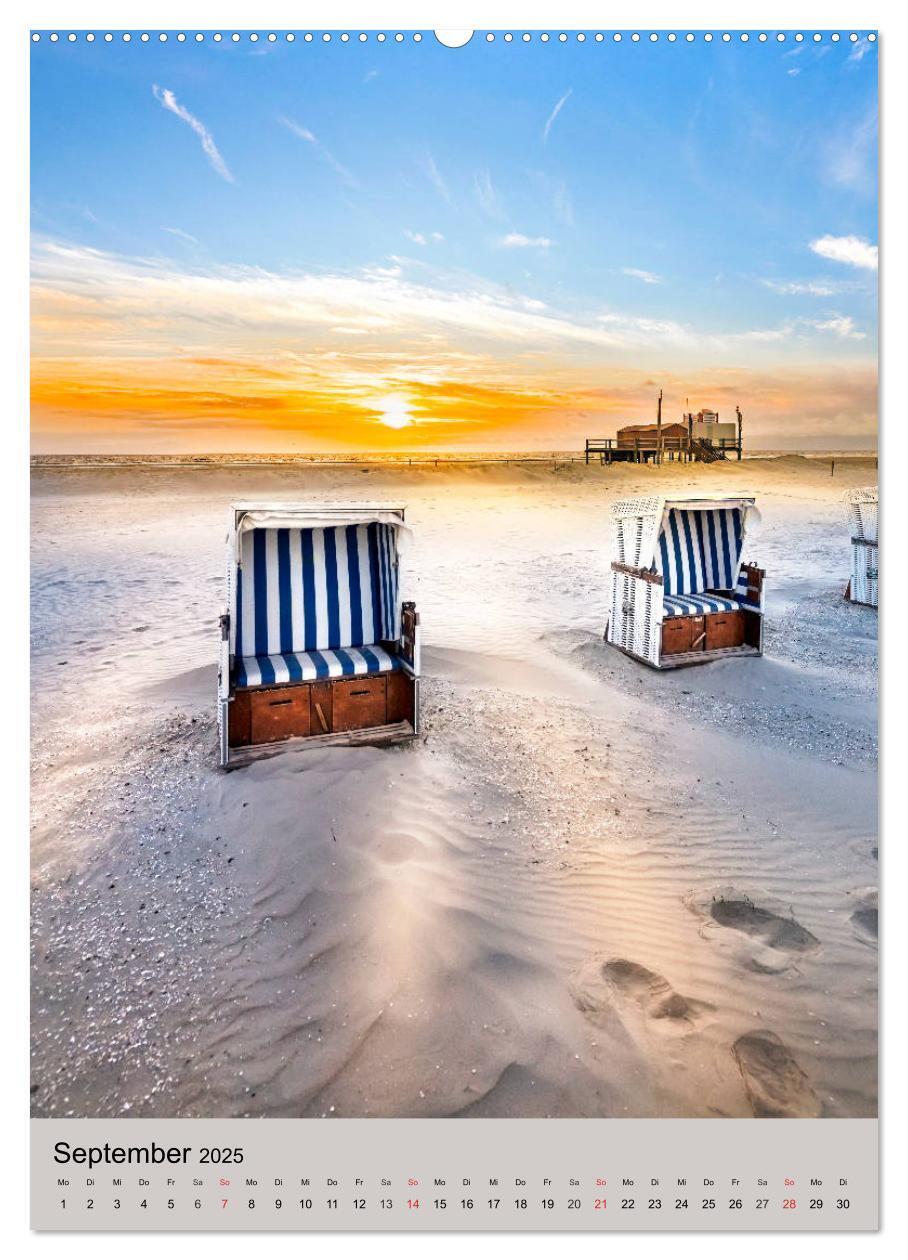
(275,703)
(366,692)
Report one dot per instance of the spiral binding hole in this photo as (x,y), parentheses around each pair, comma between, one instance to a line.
(400,37)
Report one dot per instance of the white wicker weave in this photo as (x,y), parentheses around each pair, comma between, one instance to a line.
(862,506)
(636,616)
(637,524)
(863,512)
(225,646)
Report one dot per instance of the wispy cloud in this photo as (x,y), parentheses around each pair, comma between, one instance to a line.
(853,250)
(166,98)
(517,240)
(562,203)
(554,114)
(435,178)
(850,154)
(555,190)
(643,330)
(90,304)
(184,236)
(487,196)
(796,288)
(303,133)
(860,50)
(423,238)
(637,273)
(841,325)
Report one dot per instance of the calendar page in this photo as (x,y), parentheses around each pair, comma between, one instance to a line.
(455,582)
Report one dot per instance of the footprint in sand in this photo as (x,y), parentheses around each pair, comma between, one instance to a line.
(776,1086)
(600,987)
(866,918)
(771,929)
(780,937)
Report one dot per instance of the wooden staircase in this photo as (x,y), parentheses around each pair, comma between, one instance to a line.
(705,453)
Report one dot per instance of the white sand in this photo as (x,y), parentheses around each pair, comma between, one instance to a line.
(513,916)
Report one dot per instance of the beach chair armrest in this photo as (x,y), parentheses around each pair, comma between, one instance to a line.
(409,635)
(646,574)
(755,576)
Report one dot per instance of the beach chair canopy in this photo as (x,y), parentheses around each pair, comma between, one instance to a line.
(699,549)
(695,545)
(317,591)
(863,512)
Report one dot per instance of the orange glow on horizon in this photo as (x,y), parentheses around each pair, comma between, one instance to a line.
(139,355)
(214,403)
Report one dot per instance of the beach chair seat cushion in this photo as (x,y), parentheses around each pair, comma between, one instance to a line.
(291,667)
(696,604)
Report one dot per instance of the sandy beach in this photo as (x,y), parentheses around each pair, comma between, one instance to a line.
(587,888)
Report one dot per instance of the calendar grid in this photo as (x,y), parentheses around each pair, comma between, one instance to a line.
(577,1175)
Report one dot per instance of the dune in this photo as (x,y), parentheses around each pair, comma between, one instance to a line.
(587,889)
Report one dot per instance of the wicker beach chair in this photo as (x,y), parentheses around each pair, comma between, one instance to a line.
(680,593)
(863,514)
(316,644)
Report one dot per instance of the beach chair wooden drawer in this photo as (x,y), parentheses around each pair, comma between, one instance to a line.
(725,629)
(241,719)
(321,707)
(278,713)
(683,634)
(360,702)
(401,697)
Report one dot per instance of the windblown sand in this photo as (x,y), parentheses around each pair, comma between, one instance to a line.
(588,889)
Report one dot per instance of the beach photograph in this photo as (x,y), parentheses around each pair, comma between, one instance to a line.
(454,577)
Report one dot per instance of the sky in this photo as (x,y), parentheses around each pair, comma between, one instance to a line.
(344,246)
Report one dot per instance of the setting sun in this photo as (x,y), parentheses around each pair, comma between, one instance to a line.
(394,411)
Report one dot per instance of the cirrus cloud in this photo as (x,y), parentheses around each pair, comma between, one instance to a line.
(166,98)
(517,240)
(637,273)
(554,114)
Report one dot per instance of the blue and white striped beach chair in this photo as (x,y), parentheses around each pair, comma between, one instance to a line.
(680,593)
(316,641)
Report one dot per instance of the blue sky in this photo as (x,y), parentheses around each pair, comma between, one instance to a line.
(700,208)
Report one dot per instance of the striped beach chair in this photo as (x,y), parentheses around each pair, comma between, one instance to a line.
(316,642)
(862,506)
(680,592)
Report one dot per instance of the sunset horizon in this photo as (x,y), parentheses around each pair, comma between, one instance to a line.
(264,269)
